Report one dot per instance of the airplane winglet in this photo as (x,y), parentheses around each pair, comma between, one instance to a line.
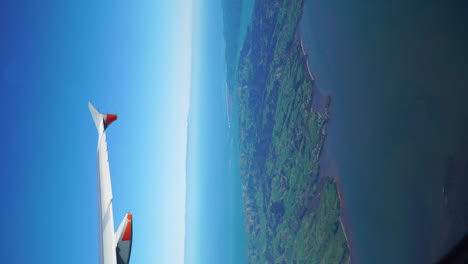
(101,119)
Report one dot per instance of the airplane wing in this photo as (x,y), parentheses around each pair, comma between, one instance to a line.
(109,252)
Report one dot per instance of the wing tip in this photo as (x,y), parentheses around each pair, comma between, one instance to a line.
(98,117)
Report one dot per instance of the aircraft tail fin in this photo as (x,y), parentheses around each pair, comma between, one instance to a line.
(102,121)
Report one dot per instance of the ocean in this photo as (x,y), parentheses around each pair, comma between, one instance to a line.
(398,134)
(215,221)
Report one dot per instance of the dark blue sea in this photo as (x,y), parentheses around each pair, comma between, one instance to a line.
(397,73)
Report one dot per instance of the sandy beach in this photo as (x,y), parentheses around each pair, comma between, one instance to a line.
(328,167)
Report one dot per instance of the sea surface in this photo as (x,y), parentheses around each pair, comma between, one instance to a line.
(397,138)
(214,214)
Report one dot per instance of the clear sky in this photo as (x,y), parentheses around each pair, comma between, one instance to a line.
(132,58)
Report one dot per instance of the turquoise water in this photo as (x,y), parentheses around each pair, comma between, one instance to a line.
(215,228)
(246,17)
(397,138)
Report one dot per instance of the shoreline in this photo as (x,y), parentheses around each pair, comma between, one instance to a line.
(328,167)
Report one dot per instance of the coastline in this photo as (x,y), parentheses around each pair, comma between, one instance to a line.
(321,103)
(292,99)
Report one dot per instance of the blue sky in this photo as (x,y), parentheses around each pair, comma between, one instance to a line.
(132,58)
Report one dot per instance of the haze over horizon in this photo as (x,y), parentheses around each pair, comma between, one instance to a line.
(130,59)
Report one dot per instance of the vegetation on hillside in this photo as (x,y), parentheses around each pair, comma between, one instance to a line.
(291,214)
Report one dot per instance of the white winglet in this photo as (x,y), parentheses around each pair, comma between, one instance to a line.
(102,121)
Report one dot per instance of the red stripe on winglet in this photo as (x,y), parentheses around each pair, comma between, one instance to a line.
(129,216)
(128,232)
(110,119)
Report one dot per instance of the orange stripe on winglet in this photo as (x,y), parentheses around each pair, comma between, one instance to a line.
(129,216)
(128,232)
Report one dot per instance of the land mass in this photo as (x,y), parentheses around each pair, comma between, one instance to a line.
(292,214)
